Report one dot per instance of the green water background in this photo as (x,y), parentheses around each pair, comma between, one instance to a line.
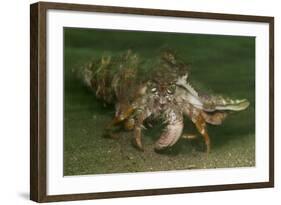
(219,64)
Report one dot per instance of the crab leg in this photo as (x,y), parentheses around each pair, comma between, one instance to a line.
(141,115)
(201,127)
(120,117)
(137,135)
(199,119)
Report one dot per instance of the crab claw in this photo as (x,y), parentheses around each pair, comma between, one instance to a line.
(170,136)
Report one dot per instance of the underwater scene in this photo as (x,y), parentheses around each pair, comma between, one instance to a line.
(138,101)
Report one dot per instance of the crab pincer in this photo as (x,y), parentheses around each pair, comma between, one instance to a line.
(172,132)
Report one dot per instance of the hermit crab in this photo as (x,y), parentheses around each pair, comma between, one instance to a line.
(141,90)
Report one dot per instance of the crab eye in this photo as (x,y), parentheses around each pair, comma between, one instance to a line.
(153,90)
(171,89)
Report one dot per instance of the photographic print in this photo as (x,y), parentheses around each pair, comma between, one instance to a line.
(137,101)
